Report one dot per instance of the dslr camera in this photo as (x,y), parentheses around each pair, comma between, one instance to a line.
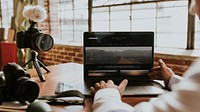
(33,38)
(16,85)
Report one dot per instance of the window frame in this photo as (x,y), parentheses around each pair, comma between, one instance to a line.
(190,26)
(190,30)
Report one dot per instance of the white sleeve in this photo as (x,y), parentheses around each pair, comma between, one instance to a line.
(184,97)
(109,100)
(174,80)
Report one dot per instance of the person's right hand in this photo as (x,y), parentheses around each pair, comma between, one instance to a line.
(161,72)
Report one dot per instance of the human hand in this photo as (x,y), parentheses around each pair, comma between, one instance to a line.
(161,72)
(109,84)
(195,8)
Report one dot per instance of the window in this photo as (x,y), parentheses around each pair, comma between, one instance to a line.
(6,14)
(68,20)
(172,24)
(168,20)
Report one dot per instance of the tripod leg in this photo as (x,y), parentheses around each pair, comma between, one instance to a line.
(27,63)
(43,66)
(37,67)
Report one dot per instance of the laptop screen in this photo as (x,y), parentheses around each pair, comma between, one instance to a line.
(118,54)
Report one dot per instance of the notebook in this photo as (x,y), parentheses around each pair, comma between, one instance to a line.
(118,56)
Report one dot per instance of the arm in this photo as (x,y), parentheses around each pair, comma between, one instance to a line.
(184,97)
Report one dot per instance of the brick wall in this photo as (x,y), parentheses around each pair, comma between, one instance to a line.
(62,54)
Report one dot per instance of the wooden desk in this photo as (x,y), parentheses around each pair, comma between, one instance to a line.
(70,72)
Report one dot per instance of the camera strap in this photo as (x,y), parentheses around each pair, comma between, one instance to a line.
(70,97)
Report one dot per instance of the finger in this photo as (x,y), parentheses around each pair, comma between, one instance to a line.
(97,86)
(155,68)
(102,82)
(110,82)
(153,74)
(162,64)
(156,78)
(92,90)
(123,85)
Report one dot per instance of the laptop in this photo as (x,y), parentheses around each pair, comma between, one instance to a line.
(118,56)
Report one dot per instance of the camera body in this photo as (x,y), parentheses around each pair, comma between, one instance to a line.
(15,84)
(34,38)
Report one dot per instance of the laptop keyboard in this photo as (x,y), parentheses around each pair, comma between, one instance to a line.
(130,83)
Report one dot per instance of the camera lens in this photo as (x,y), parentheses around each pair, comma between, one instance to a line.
(26,90)
(44,42)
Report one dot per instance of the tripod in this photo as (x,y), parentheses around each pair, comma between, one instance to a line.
(37,63)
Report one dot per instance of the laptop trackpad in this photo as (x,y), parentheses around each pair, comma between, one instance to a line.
(142,90)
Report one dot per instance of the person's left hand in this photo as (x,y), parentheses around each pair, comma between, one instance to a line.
(109,84)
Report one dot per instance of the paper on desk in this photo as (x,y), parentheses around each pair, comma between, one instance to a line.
(12,106)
